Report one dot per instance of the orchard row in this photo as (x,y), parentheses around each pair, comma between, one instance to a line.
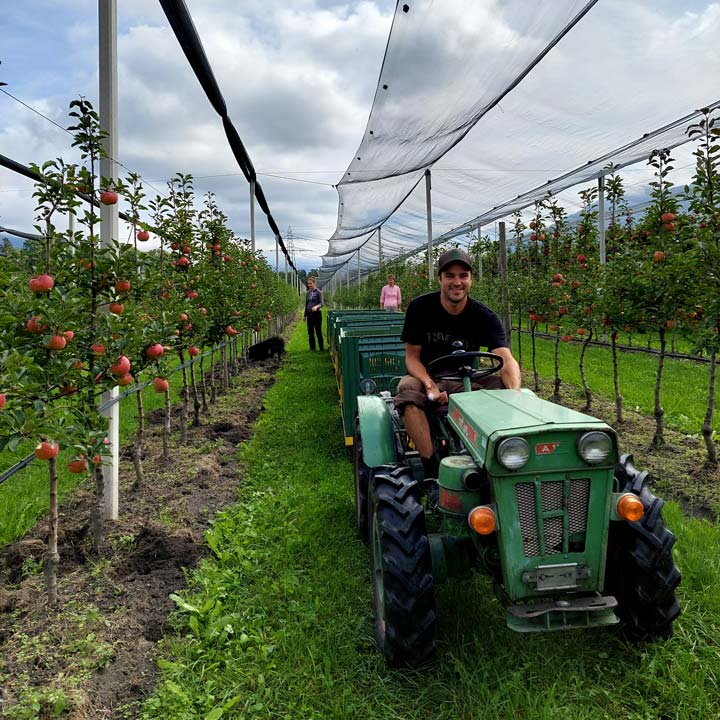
(78,317)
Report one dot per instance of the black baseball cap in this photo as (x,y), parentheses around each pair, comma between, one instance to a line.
(452,256)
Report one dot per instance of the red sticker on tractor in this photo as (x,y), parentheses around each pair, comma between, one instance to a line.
(546,448)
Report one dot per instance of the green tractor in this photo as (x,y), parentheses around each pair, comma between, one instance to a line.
(531,493)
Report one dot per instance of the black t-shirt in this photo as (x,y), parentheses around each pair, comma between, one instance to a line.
(428,324)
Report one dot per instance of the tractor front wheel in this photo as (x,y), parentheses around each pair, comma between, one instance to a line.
(403,584)
(640,570)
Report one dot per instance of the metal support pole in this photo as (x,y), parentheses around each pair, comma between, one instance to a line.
(505,297)
(286,269)
(379,231)
(479,254)
(347,277)
(108,112)
(601,218)
(252,215)
(277,255)
(358,268)
(428,203)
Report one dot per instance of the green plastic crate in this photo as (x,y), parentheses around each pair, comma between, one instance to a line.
(379,357)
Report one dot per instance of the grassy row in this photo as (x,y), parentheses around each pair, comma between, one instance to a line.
(24,496)
(684,388)
(278,623)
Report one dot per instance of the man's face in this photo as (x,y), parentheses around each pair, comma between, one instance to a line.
(455,282)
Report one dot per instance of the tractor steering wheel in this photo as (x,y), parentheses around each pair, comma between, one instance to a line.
(458,365)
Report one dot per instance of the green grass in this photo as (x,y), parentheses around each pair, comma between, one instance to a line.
(684,387)
(24,496)
(278,623)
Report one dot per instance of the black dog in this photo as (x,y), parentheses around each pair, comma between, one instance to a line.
(267,348)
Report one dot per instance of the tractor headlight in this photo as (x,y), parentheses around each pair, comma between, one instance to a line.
(594,447)
(513,453)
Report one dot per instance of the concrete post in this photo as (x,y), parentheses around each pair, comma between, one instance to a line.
(108,112)
(428,204)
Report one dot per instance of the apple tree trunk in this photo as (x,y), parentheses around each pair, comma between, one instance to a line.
(586,387)
(52,557)
(659,437)
(707,429)
(616,379)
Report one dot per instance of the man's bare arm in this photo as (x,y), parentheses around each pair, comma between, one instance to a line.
(510,372)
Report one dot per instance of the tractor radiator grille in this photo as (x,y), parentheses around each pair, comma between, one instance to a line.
(552,500)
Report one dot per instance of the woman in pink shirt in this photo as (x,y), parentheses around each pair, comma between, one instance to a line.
(390,297)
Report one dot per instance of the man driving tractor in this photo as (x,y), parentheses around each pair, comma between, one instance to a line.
(433,322)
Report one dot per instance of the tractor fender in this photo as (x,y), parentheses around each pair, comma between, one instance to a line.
(378,441)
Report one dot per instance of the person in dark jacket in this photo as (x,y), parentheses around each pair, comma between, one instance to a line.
(313,313)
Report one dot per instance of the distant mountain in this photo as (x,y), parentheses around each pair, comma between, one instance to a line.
(16,242)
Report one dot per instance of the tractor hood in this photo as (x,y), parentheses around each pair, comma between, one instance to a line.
(483,417)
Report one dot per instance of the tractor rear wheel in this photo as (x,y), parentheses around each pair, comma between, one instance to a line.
(362,478)
(403,584)
(641,571)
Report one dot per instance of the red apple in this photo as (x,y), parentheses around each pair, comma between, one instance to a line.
(121,367)
(183,317)
(78,465)
(41,283)
(46,450)
(658,256)
(193,351)
(227,258)
(142,235)
(183,261)
(122,286)
(34,327)
(98,349)
(3,399)
(108,197)
(125,380)
(667,217)
(192,294)
(160,385)
(116,308)
(56,342)
(69,334)
(581,258)
(582,331)
(557,277)
(671,324)
(154,351)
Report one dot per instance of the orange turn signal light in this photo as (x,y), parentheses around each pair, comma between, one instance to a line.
(630,507)
(482,520)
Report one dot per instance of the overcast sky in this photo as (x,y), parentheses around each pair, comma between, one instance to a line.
(299,79)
